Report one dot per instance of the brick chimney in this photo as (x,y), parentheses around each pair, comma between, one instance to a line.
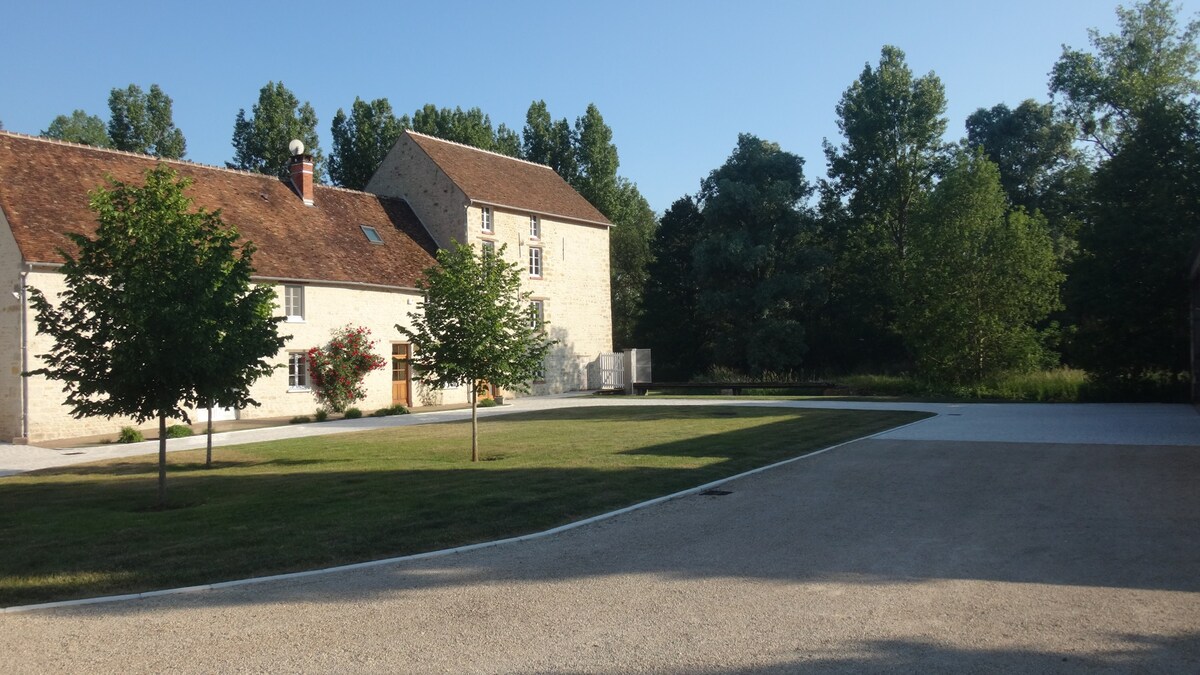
(302,177)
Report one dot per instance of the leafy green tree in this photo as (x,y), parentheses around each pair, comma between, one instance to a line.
(79,127)
(596,157)
(1150,60)
(469,127)
(671,297)
(133,331)
(549,142)
(361,141)
(475,327)
(892,124)
(1040,169)
(981,277)
(1129,286)
(337,369)
(143,122)
(633,229)
(260,141)
(755,269)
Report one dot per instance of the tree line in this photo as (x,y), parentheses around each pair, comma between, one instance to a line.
(1056,231)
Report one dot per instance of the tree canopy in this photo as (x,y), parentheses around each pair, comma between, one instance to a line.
(361,141)
(143,122)
(79,127)
(158,314)
(260,140)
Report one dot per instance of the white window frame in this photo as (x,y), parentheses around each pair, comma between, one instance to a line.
(298,371)
(293,303)
(535,227)
(487,246)
(536,269)
(485,214)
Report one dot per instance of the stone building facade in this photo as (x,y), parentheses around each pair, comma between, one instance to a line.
(335,257)
(531,216)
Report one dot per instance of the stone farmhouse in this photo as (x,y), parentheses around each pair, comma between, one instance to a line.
(333,256)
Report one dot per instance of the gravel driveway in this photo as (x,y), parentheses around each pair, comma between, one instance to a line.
(1029,540)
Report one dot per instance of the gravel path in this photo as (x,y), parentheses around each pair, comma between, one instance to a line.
(906,552)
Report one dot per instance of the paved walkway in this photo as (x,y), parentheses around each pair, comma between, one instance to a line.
(989,538)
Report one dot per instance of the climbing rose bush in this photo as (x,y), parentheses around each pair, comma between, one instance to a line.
(337,369)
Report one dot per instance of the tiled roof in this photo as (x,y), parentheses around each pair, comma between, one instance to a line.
(500,180)
(44,186)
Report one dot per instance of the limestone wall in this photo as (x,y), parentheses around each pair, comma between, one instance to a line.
(326,307)
(408,173)
(10,334)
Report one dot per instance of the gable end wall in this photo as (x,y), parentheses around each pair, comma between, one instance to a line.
(408,173)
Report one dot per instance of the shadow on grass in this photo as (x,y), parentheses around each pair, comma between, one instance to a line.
(876,512)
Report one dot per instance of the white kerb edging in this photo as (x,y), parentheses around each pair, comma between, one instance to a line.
(445,551)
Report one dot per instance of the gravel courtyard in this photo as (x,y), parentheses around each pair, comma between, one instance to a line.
(992,537)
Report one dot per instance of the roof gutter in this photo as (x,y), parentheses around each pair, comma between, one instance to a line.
(282,280)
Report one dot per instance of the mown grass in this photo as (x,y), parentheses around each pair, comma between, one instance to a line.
(275,507)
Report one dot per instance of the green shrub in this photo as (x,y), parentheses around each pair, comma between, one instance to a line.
(394,410)
(179,431)
(130,435)
(321,415)
(1150,387)
(300,419)
(487,403)
(352,414)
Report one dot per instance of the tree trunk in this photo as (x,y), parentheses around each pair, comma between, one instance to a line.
(474,422)
(162,460)
(208,454)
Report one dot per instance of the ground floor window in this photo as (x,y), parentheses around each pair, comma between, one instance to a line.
(297,371)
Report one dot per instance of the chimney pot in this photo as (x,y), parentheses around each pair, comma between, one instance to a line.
(302,177)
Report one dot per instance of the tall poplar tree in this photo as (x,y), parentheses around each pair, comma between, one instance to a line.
(260,140)
(361,141)
(143,122)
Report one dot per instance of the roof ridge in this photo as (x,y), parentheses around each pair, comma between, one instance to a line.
(138,155)
(472,147)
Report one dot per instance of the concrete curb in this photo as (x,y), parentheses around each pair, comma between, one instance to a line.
(447,551)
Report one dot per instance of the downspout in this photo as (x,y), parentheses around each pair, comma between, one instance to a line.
(24,300)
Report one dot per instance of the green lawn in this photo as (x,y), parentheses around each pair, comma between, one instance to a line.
(283,506)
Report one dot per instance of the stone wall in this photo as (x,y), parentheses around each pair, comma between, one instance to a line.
(408,173)
(326,307)
(10,334)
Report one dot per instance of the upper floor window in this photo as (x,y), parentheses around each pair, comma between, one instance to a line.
(293,303)
(485,221)
(535,262)
(535,227)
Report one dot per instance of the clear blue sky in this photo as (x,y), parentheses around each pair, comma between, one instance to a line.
(677,81)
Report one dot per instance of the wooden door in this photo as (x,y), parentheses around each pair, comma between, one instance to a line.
(401,374)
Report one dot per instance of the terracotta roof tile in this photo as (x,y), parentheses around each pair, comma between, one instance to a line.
(44,186)
(500,180)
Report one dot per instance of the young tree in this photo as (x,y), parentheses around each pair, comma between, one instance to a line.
(142,122)
(981,276)
(361,141)
(475,327)
(260,142)
(133,331)
(79,127)
(337,369)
